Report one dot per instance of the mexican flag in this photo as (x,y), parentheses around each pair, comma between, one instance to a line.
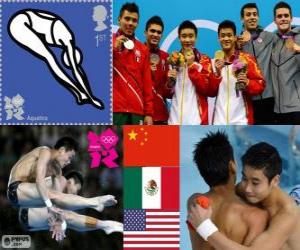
(151,188)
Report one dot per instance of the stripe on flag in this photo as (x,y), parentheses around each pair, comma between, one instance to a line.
(151,229)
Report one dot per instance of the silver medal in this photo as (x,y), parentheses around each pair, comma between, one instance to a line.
(129,44)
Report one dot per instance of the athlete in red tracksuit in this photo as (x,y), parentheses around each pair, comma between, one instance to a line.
(189,102)
(159,70)
(233,106)
(203,80)
(160,89)
(132,83)
(196,84)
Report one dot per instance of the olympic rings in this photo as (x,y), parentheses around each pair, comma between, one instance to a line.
(108,139)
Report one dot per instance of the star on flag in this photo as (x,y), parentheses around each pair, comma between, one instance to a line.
(132,135)
(151,145)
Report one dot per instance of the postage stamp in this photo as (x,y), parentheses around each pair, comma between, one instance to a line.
(55,62)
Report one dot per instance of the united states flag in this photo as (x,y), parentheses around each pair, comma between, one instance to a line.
(151,229)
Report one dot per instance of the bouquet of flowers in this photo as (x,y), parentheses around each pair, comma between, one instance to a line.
(175,60)
(239,65)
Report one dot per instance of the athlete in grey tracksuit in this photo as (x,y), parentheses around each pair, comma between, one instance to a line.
(260,46)
(258,43)
(285,67)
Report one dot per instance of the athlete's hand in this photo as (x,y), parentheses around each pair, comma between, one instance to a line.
(153,67)
(55,213)
(119,42)
(198,214)
(172,73)
(55,218)
(172,76)
(243,39)
(57,229)
(219,64)
(57,232)
(148,120)
(189,57)
(296,47)
(242,77)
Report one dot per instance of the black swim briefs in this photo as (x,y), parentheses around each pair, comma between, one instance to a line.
(12,193)
(23,218)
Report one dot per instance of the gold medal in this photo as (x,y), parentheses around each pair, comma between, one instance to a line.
(289,43)
(219,54)
(188,52)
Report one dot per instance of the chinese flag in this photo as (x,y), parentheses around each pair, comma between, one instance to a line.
(151,145)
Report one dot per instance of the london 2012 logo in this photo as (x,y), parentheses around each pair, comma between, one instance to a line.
(14,107)
(102,148)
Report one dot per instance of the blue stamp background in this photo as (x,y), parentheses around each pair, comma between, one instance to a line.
(24,74)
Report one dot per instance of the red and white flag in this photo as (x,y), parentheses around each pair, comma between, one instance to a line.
(151,229)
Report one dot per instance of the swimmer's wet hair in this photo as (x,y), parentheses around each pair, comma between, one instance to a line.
(77,176)
(212,156)
(263,156)
(67,142)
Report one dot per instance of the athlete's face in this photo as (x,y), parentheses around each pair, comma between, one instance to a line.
(128,22)
(250,18)
(65,157)
(153,35)
(283,20)
(256,185)
(187,38)
(72,187)
(227,39)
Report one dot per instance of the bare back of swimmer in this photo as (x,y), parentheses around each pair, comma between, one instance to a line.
(239,221)
(25,169)
(27,185)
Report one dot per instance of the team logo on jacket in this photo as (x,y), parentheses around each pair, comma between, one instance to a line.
(137,55)
(259,40)
(163,63)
